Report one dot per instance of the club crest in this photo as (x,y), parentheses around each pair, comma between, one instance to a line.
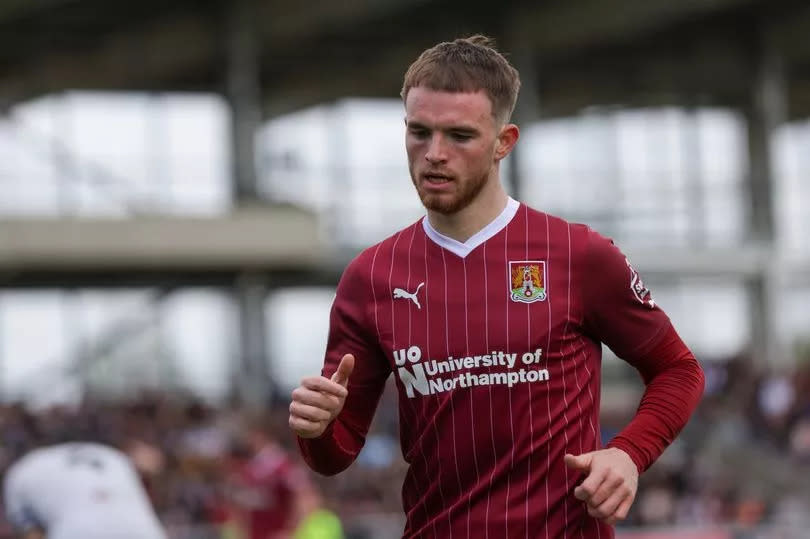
(640,291)
(527,280)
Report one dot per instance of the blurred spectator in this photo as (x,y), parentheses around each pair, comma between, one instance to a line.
(78,489)
(268,495)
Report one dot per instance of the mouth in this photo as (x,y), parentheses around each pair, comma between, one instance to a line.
(436,179)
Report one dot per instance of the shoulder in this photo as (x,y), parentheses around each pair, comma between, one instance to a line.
(72,448)
(108,453)
(32,459)
(559,228)
(369,258)
(27,468)
(103,449)
(67,456)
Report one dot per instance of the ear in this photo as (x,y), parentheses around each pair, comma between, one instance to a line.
(507,138)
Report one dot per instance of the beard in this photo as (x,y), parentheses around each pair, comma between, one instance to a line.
(449,204)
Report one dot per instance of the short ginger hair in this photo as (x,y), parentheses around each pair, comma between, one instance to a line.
(469,64)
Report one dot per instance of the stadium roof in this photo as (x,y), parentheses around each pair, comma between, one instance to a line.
(587,52)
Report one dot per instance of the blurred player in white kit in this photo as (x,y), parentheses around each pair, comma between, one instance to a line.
(78,490)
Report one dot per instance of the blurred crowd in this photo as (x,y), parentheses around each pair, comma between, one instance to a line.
(225,472)
(218,472)
(743,460)
(211,473)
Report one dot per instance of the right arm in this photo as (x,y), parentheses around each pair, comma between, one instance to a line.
(331,413)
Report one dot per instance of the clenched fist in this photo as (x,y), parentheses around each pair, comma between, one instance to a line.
(610,484)
(318,400)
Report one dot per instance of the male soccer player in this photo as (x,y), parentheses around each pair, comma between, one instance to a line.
(494,337)
(78,491)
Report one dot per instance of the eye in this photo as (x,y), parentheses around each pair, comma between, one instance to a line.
(419,132)
(461,137)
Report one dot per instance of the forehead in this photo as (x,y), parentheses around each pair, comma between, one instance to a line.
(440,108)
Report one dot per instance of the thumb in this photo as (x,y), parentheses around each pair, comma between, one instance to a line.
(579,462)
(344,370)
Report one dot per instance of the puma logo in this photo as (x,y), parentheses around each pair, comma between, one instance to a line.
(400,293)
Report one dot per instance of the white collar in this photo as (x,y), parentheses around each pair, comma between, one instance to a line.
(463,249)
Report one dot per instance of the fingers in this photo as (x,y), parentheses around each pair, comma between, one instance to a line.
(308,421)
(588,488)
(344,370)
(611,483)
(310,413)
(306,428)
(621,512)
(318,400)
(314,404)
(607,494)
(312,397)
(578,462)
(324,385)
(614,508)
(608,507)
(609,487)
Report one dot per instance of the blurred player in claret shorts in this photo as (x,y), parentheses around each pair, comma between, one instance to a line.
(78,491)
(491,316)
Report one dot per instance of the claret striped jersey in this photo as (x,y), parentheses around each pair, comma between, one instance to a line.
(495,346)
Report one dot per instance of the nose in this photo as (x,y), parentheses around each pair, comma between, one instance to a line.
(436,150)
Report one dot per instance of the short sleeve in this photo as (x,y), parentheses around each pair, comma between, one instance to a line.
(619,310)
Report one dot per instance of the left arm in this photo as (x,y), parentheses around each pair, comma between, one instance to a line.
(621,313)
(674,384)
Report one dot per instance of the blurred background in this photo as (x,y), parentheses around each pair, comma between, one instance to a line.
(182,183)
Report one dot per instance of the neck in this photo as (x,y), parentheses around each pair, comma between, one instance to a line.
(466,222)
